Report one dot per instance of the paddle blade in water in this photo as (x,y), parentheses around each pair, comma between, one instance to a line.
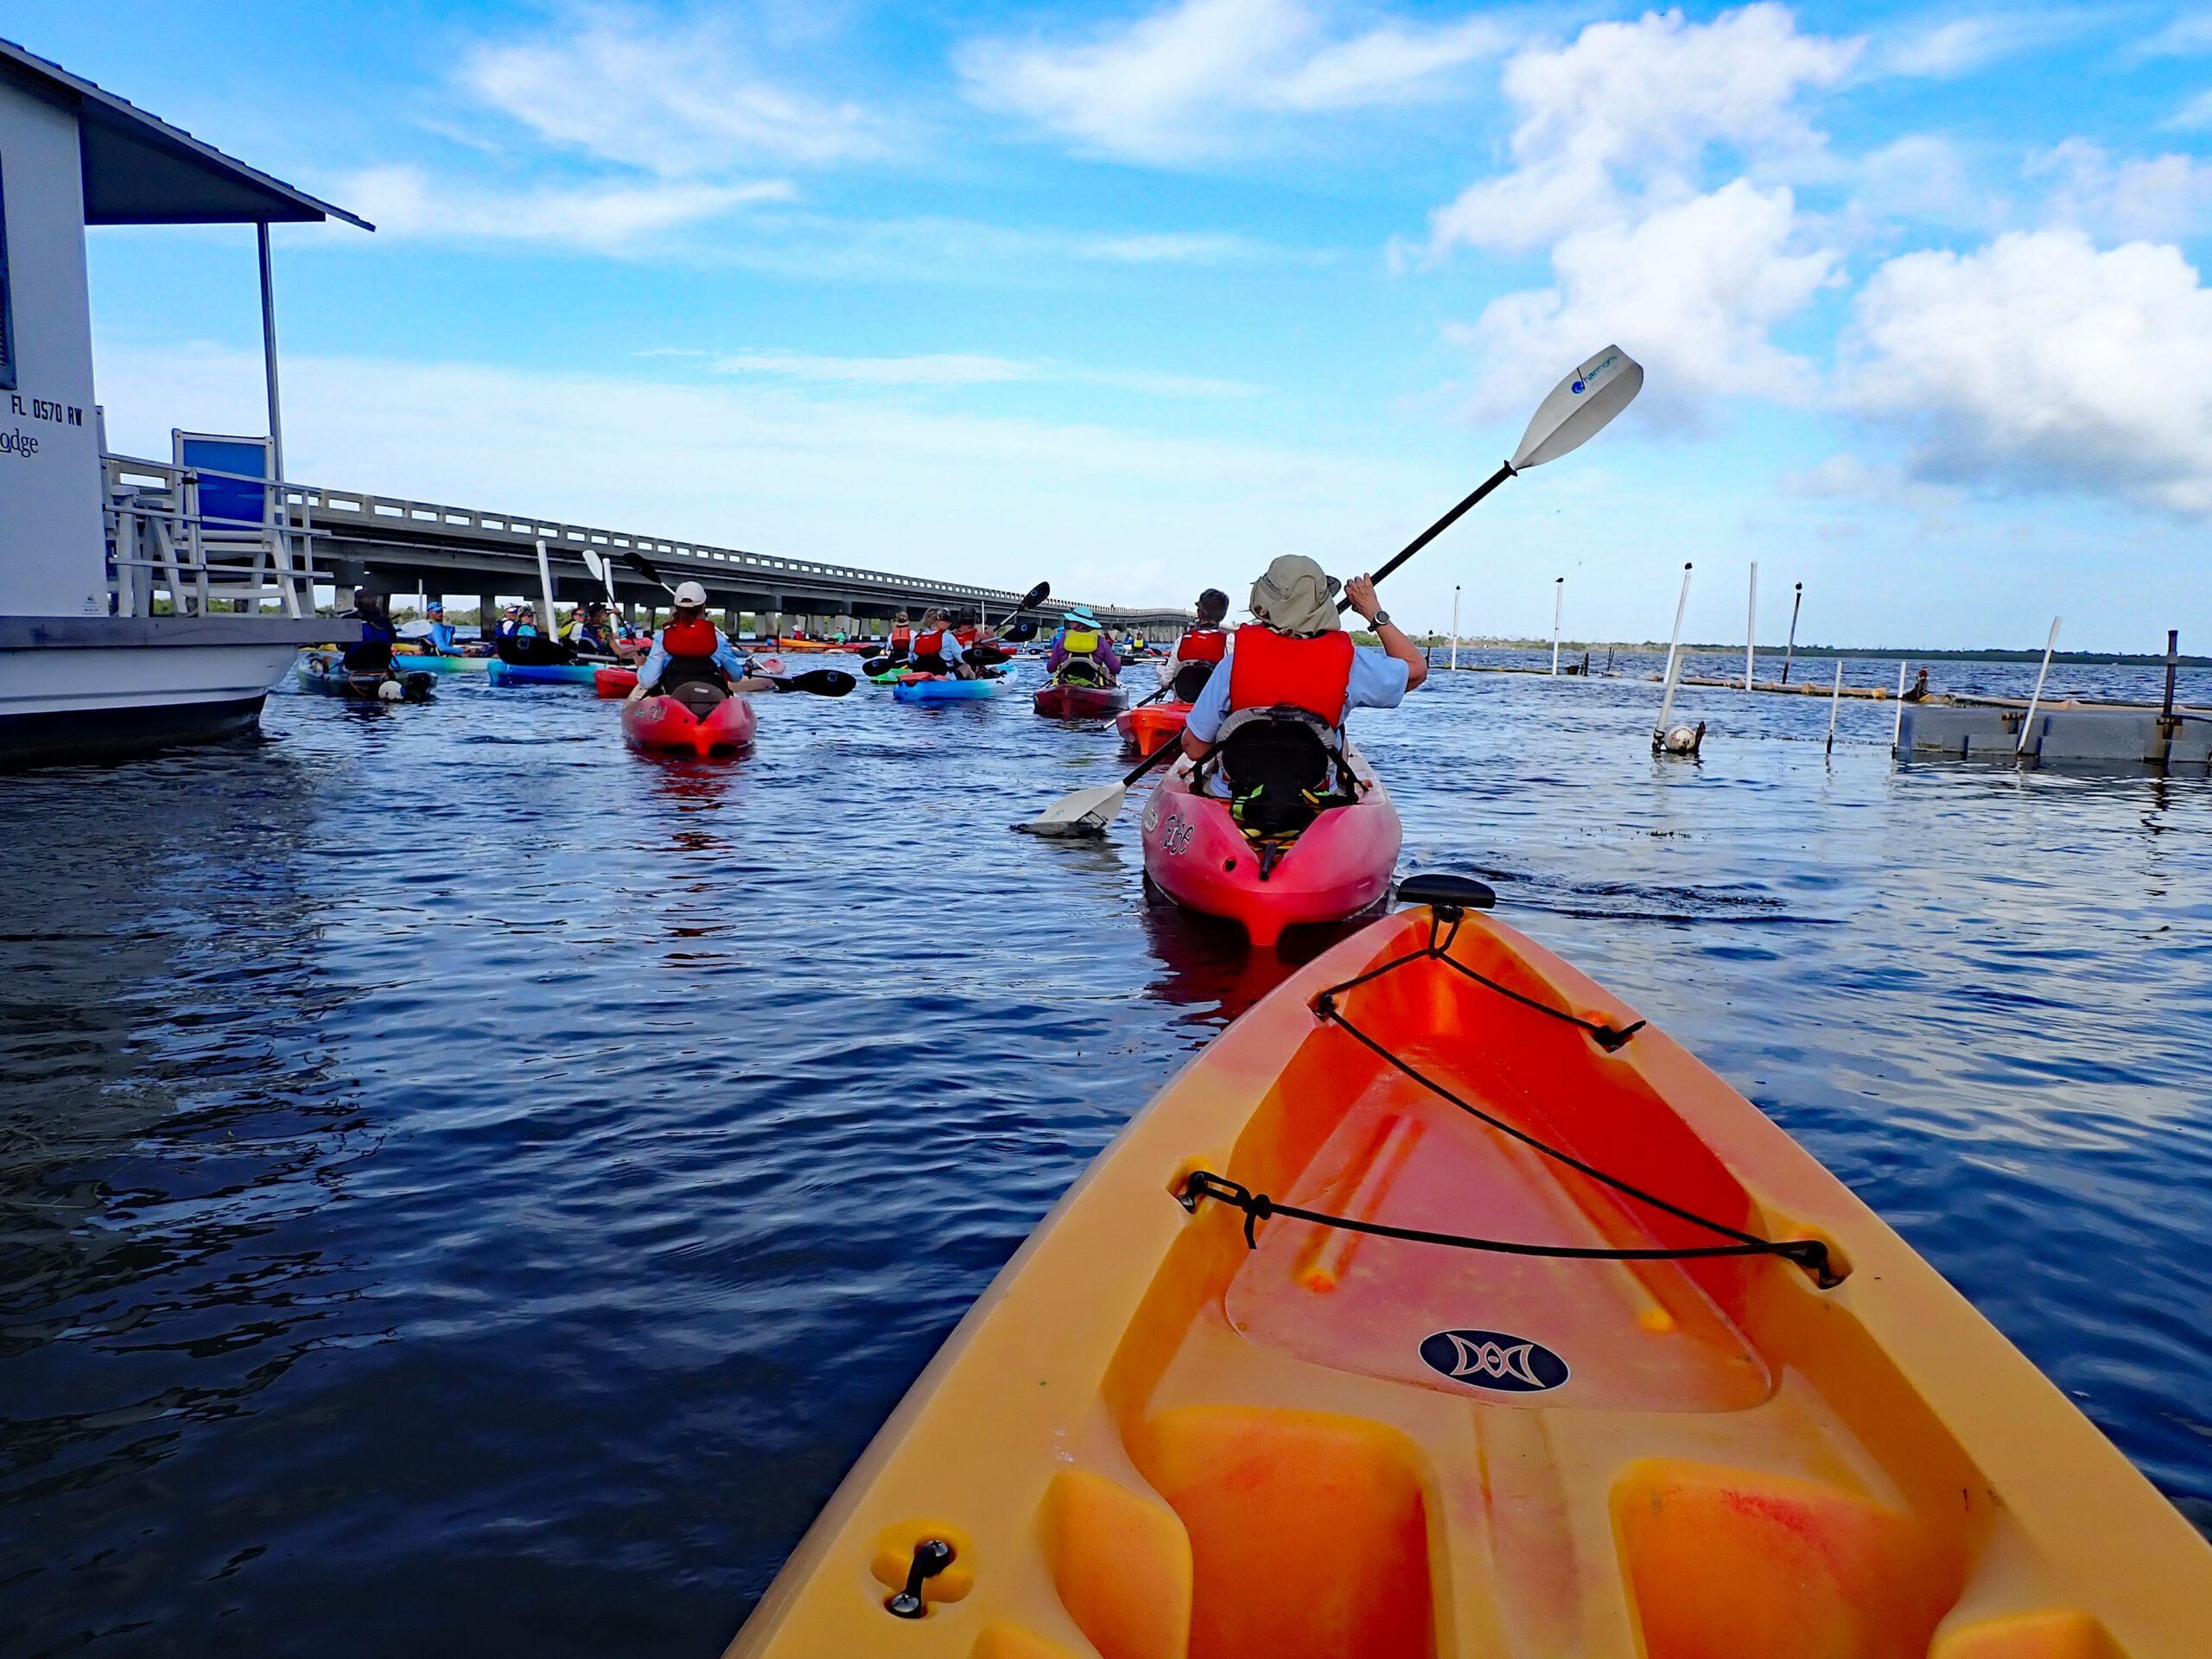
(1579,406)
(822,682)
(1086,813)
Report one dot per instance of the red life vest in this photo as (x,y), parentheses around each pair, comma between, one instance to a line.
(1268,668)
(696,638)
(931,644)
(967,636)
(1202,644)
(901,637)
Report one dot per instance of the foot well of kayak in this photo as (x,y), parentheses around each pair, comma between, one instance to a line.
(1444,1310)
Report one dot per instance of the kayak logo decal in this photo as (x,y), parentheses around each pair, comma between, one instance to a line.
(1178,836)
(1495,1360)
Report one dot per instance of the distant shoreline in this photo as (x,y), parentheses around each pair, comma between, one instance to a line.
(2079,659)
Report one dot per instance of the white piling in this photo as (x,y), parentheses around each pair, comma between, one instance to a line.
(1673,662)
(1752,627)
(2035,697)
(548,625)
(1896,731)
(1559,602)
(1455,624)
(1835,704)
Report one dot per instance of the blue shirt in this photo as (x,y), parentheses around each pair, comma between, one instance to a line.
(441,638)
(728,657)
(1378,681)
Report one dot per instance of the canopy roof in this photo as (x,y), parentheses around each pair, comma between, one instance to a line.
(140,170)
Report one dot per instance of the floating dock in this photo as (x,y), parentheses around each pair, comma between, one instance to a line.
(2110,733)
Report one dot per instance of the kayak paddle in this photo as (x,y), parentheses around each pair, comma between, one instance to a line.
(1577,409)
(822,682)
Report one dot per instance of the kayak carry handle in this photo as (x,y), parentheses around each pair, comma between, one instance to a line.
(931,1557)
(1446,894)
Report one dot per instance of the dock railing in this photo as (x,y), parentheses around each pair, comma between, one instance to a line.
(160,543)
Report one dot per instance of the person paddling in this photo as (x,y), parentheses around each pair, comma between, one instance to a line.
(937,648)
(902,637)
(1269,733)
(1082,652)
(691,660)
(438,638)
(1190,664)
(378,634)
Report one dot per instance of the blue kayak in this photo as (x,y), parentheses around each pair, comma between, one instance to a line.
(943,690)
(504,673)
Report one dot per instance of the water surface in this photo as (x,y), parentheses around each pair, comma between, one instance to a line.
(464,1184)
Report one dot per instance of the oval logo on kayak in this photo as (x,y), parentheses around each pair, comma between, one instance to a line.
(1495,1360)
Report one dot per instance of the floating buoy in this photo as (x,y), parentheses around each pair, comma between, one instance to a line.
(1684,739)
(391,690)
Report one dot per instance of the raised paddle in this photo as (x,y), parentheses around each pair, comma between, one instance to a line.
(1036,596)
(1576,412)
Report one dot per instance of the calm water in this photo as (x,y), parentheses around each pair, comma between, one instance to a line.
(467,1185)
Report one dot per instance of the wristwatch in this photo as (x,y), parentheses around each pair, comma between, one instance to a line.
(1381,619)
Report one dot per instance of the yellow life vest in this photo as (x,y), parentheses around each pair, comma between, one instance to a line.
(1079,643)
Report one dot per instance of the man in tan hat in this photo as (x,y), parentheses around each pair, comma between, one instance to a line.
(1293,674)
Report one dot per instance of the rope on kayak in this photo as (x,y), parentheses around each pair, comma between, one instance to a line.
(1809,1254)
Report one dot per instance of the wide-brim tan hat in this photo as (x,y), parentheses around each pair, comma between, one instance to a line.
(1296,597)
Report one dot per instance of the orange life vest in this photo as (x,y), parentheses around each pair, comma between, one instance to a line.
(901,637)
(931,644)
(967,636)
(1268,669)
(1202,645)
(696,638)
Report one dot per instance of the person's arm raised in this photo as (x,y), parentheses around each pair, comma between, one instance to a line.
(1360,590)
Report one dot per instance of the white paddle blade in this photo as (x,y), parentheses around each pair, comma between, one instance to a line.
(1086,813)
(597,566)
(1579,406)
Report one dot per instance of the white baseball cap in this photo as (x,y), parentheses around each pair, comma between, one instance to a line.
(691,593)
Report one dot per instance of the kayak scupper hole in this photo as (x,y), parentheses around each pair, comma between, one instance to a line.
(1228,863)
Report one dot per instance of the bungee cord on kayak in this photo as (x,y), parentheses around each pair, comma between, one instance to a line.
(1448,898)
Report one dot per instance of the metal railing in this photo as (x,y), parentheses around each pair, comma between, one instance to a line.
(160,542)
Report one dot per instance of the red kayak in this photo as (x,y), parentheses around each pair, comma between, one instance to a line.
(1143,729)
(666,725)
(1340,864)
(614,682)
(1066,701)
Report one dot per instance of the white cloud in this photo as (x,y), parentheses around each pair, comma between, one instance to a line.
(1691,290)
(1170,247)
(1922,177)
(2160,198)
(614,218)
(1125,513)
(1630,111)
(1180,83)
(951,369)
(1848,478)
(679,100)
(2040,362)
(1962,45)
(2186,37)
(2193,116)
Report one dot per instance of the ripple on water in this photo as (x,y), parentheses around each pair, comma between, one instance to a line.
(461,1184)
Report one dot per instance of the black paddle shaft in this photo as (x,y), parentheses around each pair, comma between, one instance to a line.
(1437,529)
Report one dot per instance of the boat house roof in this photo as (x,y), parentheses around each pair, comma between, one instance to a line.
(141,170)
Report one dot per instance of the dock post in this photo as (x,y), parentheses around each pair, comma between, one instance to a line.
(2034,698)
(1792,649)
(1752,627)
(1455,632)
(1559,604)
(2173,662)
(1674,658)
(1835,702)
(1896,731)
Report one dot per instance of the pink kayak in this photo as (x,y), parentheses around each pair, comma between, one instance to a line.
(666,725)
(1339,865)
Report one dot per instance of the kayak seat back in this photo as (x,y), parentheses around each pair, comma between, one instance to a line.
(1191,679)
(1283,768)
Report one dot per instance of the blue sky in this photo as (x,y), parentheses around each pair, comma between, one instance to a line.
(1134,297)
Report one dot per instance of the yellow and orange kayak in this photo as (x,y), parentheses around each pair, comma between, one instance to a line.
(1263,1385)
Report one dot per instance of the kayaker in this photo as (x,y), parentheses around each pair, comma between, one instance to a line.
(438,635)
(691,650)
(1191,663)
(936,648)
(1277,715)
(1919,692)
(587,629)
(902,636)
(373,654)
(1082,651)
